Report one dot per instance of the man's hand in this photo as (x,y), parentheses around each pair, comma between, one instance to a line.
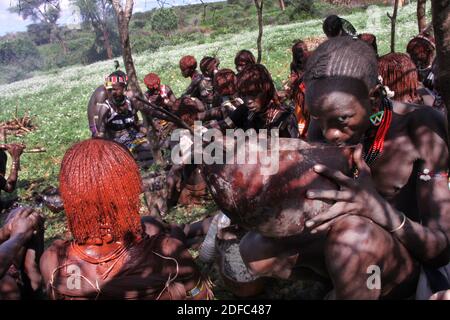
(15,150)
(25,223)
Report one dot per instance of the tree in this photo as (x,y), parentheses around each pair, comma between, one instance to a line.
(259,9)
(124,14)
(98,14)
(40,33)
(43,11)
(441,25)
(164,20)
(421,15)
(205,5)
(393,19)
(18,59)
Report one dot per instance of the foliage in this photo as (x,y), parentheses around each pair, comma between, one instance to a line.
(40,33)
(18,58)
(164,20)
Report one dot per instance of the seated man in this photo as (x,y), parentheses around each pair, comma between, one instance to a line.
(113,254)
(393,216)
(118,121)
(21,245)
(98,97)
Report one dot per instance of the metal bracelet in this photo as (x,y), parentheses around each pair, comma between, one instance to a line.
(401,224)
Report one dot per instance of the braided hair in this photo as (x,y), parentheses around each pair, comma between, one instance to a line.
(255,79)
(244,57)
(399,73)
(345,57)
(100,187)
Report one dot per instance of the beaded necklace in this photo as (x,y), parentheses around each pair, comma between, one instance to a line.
(382,120)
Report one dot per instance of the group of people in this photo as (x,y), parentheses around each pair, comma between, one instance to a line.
(393,212)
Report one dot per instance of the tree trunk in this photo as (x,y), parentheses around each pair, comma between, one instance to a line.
(61,41)
(421,15)
(259,9)
(107,43)
(123,20)
(441,25)
(282,5)
(393,19)
(133,82)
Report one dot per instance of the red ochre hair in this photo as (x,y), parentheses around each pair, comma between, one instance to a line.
(152,81)
(225,82)
(370,39)
(188,63)
(421,49)
(245,56)
(256,79)
(100,187)
(399,73)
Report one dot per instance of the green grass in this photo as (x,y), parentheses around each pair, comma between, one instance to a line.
(57,100)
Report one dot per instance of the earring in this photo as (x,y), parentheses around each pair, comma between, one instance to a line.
(376,118)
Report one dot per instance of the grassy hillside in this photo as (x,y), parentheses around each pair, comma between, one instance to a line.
(57,100)
(196,24)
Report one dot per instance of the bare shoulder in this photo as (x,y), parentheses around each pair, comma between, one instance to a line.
(427,118)
(421,116)
(427,129)
(51,257)
(99,95)
(171,246)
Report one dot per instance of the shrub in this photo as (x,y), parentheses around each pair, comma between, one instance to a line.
(165,21)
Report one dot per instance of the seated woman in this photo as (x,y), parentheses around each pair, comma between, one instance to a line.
(400,76)
(295,88)
(370,39)
(188,67)
(157,93)
(21,246)
(113,254)
(393,216)
(225,99)
(262,108)
(162,96)
(242,59)
(209,67)
(335,26)
(422,50)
